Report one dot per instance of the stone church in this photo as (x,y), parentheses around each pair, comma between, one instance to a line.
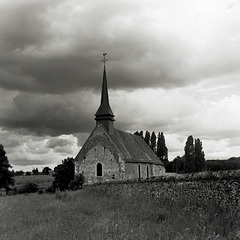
(111,154)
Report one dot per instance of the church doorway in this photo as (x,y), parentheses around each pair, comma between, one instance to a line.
(99,170)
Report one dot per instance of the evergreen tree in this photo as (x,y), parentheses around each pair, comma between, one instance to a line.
(162,151)
(141,134)
(153,141)
(147,138)
(189,163)
(199,156)
(6,176)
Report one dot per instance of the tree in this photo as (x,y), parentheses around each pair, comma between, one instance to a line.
(46,171)
(153,142)
(147,138)
(6,176)
(199,156)
(189,163)
(179,164)
(137,133)
(35,171)
(140,134)
(64,174)
(162,151)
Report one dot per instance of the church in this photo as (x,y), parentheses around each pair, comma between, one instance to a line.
(110,154)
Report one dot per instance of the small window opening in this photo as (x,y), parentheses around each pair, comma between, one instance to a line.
(99,169)
(147,172)
(139,171)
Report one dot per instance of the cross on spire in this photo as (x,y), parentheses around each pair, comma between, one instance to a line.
(104,58)
(104,114)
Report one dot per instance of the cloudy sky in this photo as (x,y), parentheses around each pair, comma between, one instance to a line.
(173,66)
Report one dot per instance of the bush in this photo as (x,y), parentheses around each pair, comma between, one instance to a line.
(77,182)
(64,174)
(28,188)
(50,189)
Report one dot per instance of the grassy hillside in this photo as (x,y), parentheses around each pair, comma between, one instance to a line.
(91,214)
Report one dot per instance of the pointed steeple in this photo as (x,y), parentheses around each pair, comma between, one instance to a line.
(104,114)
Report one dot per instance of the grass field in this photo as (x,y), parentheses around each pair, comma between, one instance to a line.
(86,214)
(43,181)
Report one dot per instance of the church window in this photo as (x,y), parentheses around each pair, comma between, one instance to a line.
(139,171)
(99,169)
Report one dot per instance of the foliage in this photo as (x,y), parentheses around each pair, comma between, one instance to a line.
(28,188)
(147,138)
(35,171)
(77,182)
(18,173)
(6,176)
(46,170)
(64,174)
(199,156)
(189,163)
(140,134)
(153,142)
(162,151)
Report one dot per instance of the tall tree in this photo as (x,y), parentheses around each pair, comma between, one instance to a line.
(147,138)
(6,176)
(64,174)
(153,141)
(189,163)
(141,134)
(162,151)
(199,156)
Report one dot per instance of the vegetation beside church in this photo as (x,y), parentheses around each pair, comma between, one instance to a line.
(6,176)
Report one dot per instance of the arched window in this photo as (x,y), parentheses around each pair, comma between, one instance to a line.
(99,169)
(139,171)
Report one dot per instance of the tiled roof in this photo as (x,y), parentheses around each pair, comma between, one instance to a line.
(133,148)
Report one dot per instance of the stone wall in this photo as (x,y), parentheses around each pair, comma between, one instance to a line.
(224,192)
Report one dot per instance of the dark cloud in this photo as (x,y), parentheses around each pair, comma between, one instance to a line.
(49,114)
(40,54)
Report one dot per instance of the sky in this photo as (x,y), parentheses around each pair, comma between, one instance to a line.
(173,67)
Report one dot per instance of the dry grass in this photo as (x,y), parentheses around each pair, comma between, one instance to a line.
(90,214)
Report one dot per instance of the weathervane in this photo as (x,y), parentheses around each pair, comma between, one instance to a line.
(104,58)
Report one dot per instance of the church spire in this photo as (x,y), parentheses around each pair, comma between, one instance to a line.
(104,114)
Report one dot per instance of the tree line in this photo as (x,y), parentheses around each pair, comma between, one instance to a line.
(192,161)
(156,143)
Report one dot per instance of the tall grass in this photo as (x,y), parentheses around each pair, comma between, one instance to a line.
(93,214)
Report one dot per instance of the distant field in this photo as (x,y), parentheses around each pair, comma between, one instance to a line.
(90,214)
(43,181)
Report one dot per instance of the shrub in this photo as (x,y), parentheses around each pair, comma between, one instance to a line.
(50,189)
(28,188)
(77,182)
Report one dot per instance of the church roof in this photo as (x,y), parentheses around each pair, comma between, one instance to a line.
(133,148)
